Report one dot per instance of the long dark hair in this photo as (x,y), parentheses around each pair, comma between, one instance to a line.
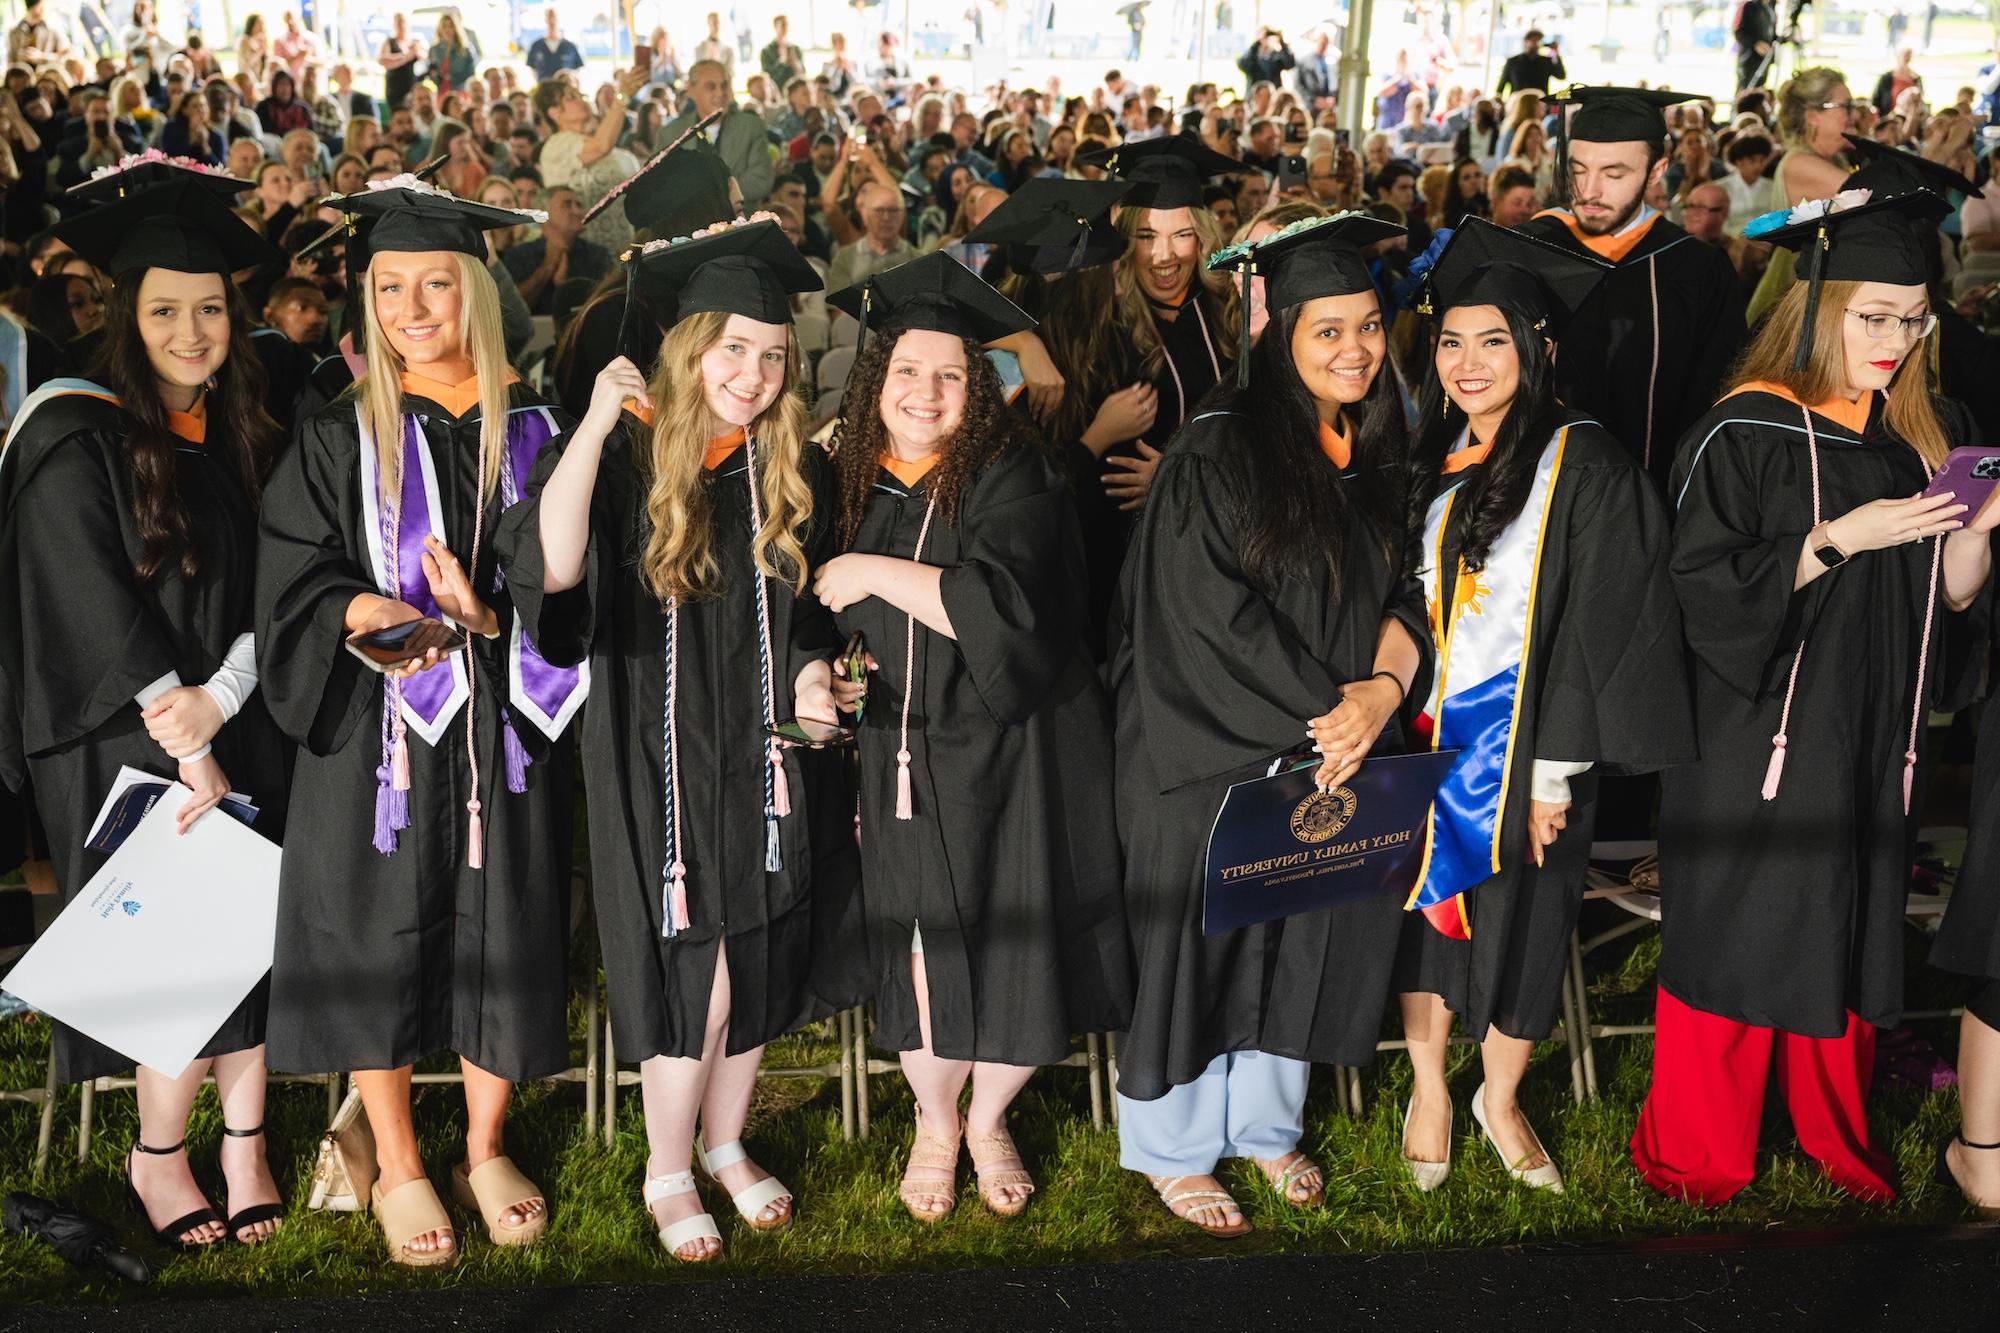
(988,427)
(1297,517)
(237,422)
(1496,493)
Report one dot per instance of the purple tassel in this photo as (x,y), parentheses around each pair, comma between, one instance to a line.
(517,757)
(385,827)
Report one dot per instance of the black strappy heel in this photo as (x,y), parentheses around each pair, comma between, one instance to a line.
(170,1234)
(256,1212)
(1946,1178)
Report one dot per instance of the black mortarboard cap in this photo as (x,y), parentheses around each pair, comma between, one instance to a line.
(1309,259)
(1166,172)
(1874,238)
(1058,220)
(181,225)
(1619,115)
(407,218)
(934,292)
(1486,264)
(143,170)
(1887,170)
(678,191)
(750,269)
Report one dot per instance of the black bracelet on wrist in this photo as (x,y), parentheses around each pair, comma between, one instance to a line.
(1393,679)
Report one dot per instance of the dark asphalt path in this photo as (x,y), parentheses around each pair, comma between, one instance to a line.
(1933,1280)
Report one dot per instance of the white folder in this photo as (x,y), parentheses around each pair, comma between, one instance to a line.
(165,940)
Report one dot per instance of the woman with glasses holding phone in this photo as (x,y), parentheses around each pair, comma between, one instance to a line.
(1824,596)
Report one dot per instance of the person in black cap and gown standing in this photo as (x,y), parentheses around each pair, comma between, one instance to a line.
(1267,600)
(1558,644)
(990,862)
(127,549)
(1826,601)
(451,936)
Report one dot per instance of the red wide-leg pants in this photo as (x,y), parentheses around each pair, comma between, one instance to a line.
(1697,1133)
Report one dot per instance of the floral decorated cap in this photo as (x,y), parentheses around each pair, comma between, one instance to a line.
(748,267)
(1856,236)
(409,215)
(140,171)
(182,225)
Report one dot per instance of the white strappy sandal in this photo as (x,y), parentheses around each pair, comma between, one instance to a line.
(752,1200)
(676,1234)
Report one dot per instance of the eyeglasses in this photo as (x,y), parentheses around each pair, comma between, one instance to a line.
(1886,326)
(1853,108)
(1702,208)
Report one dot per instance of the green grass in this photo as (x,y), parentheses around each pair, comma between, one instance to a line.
(1087,1208)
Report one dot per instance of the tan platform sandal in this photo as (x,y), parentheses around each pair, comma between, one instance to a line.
(491,1189)
(410,1210)
(674,1235)
(751,1200)
(928,1153)
(988,1151)
(1200,1201)
(1292,1173)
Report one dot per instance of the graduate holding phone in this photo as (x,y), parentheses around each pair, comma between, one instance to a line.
(996,922)
(667,541)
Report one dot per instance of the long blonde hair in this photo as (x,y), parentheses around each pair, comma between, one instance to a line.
(1135,314)
(1907,407)
(380,388)
(679,560)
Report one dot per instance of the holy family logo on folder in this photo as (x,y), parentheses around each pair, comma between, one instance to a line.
(1280,846)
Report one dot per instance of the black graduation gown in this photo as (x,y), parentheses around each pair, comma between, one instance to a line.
(1968,939)
(330,377)
(79,637)
(1009,864)
(1646,353)
(384,960)
(1967,362)
(1606,683)
(660,987)
(1789,913)
(1210,680)
(287,369)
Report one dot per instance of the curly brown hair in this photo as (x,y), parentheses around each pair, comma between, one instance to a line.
(988,427)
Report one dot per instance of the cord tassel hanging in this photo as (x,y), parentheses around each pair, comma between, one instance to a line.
(677,899)
(774,857)
(517,754)
(1815,265)
(1243,351)
(385,831)
(674,916)
(777,791)
(905,807)
(1776,768)
(475,836)
(1923,664)
(399,753)
(781,786)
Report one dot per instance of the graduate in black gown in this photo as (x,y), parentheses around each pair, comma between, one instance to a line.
(1544,567)
(1826,603)
(1646,354)
(127,545)
(667,540)
(1267,598)
(449,935)
(989,863)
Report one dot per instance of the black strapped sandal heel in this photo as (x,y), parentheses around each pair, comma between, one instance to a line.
(1985,1212)
(256,1212)
(170,1234)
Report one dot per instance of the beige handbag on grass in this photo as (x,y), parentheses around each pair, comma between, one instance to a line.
(345,1172)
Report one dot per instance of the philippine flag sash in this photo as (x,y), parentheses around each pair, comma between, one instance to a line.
(1475,701)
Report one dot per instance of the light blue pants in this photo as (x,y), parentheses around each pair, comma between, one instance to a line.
(1245,1104)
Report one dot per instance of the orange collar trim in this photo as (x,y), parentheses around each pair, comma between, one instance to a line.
(457,399)
(717,451)
(638,410)
(1853,416)
(908,471)
(1470,456)
(1337,445)
(191,426)
(1614,247)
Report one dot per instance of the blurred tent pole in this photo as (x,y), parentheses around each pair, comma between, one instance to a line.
(1354,69)
(1492,30)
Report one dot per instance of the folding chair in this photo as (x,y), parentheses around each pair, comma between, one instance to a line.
(834,369)
(841,1067)
(1097,1059)
(47,906)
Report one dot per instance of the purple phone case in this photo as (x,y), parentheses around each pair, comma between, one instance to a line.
(1958,475)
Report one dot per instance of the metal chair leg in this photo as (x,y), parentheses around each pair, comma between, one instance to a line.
(1354,1093)
(87,1092)
(1583,1013)
(1111,1074)
(593,1075)
(843,1028)
(1571,1023)
(1094,1068)
(46,1133)
(861,1092)
(610,1082)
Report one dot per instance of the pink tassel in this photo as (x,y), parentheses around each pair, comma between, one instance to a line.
(399,761)
(516,753)
(475,837)
(1909,777)
(1777,768)
(385,832)
(399,809)
(781,787)
(903,784)
(679,897)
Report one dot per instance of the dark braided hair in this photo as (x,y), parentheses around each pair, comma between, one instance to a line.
(988,427)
